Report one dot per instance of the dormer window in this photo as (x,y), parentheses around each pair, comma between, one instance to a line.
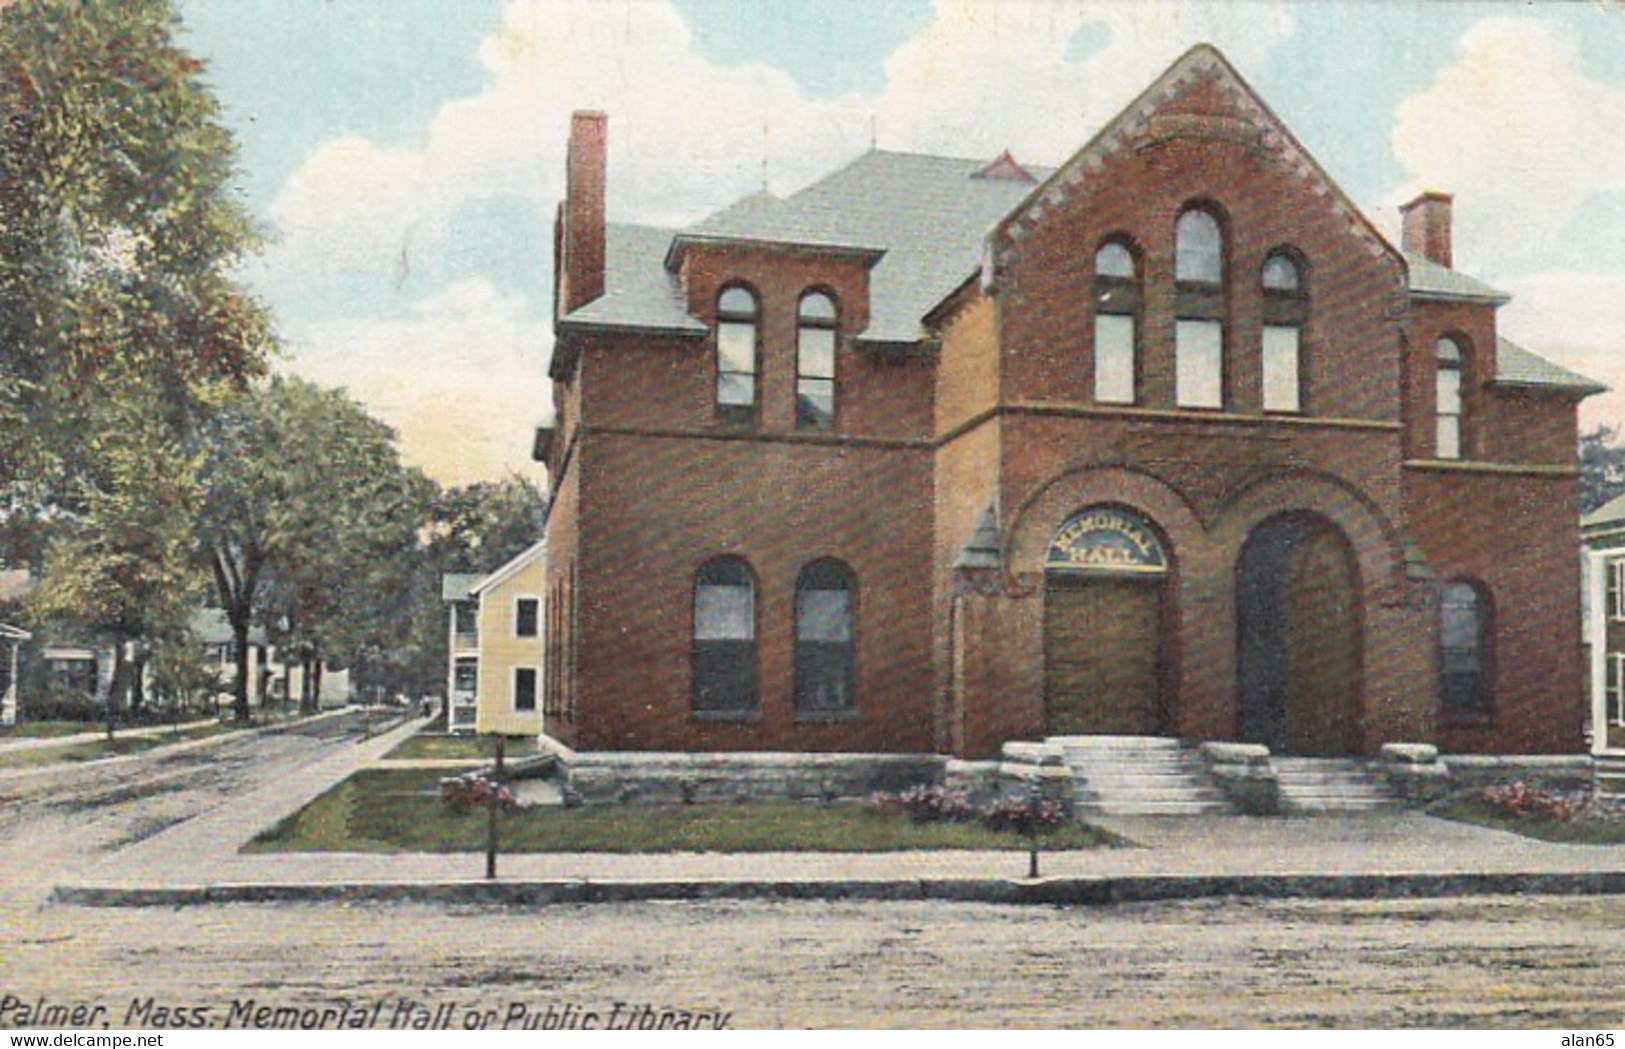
(816,323)
(1447,442)
(1286,308)
(737,317)
(1117,304)
(1199,326)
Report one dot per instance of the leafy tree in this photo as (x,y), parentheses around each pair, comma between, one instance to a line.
(118,238)
(1602,467)
(480,527)
(123,569)
(476,529)
(310,524)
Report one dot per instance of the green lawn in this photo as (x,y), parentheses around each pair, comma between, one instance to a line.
(385,810)
(426,746)
(48,729)
(96,750)
(1582,830)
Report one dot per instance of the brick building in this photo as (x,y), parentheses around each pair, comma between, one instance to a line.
(939,453)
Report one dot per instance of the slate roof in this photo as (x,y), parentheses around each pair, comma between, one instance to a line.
(457,586)
(639,292)
(1429,280)
(1516,366)
(926,218)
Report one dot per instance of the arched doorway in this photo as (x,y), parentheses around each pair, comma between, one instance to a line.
(1299,638)
(1104,579)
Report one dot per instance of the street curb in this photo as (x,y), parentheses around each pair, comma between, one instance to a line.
(1068,891)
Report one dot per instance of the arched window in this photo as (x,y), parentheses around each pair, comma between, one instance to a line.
(1286,308)
(825,680)
(724,638)
(1199,325)
(1447,441)
(736,355)
(1117,304)
(1463,649)
(815,361)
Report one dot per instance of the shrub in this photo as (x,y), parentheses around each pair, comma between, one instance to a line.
(930,804)
(941,805)
(475,790)
(1524,799)
(1024,815)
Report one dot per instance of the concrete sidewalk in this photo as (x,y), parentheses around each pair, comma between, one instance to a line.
(1392,853)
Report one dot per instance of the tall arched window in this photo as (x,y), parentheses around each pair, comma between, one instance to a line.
(825,679)
(724,638)
(1447,442)
(736,355)
(1199,326)
(1117,303)
(1286,308)
(1463,649)
(815,361)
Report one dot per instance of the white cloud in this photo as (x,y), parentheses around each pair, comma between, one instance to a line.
(1518,133)
(463,381)
(1575,319)
(686,136)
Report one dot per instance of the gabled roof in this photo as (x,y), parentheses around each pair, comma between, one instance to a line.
(1517,367)
(507,571)
(1140,121)
(927,221)
(1610,513)
(928,214)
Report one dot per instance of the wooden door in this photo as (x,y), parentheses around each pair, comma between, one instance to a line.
(1100,653)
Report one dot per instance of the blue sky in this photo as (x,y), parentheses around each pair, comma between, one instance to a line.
(406,155)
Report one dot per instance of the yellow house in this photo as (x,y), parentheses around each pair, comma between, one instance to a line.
(512,633)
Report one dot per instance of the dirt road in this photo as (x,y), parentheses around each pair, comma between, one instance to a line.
(1483,962)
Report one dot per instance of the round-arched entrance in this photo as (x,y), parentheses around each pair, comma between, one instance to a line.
(1105,576)
(1299,637)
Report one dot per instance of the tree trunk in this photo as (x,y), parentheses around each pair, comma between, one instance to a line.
(239,687)
(316,688)
(114,684)
(138,684)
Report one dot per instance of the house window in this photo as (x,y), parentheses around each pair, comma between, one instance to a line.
(1117,302)
(466,622)
(526,617)
(724,638)
(824,643)
(815,362)
(1614,690)
(1616,588)
(1463,620)
(465,676)
(1199,328)
(1447,439)
(736,355)
(1286,308)
(524,688)
(71,674)
(1199,364)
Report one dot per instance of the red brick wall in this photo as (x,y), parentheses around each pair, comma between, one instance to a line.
(655,509)
(1519,537)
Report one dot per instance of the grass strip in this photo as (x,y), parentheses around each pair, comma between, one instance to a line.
(388,810)
(1584,830)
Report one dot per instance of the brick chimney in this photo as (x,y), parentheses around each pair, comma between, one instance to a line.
(580,232)
(1427,227)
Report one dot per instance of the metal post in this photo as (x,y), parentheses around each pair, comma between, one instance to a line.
(499,775)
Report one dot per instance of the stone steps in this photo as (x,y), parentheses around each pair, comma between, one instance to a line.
(1136,776)
(1315,785)
(1609,770)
